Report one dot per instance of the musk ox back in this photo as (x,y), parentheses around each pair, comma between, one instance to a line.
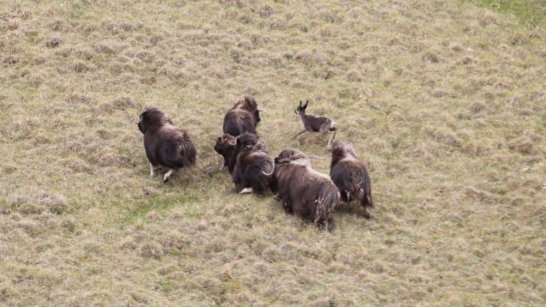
(244,116)
(253,166)
(165,144)
(304,191)
(350,176)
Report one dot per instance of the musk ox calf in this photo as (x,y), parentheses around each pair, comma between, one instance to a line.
(304,191)
(226,146)
(252,167)
(350,176)
(244,116)
(165,144)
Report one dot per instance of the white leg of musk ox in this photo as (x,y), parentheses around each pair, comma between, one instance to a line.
(246,191)
(167,175)
(152,170)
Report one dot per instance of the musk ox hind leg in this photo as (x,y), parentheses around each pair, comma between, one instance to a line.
(328,224)
(325,223)
(152,169)
(167,175)
(246,191)
(366,202)
(367,214)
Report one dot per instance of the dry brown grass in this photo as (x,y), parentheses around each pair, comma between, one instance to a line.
(444,101)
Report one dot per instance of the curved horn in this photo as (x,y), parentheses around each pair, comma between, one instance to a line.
(268,174)
(329,147)
(279,161)
(306,103)
(313,157)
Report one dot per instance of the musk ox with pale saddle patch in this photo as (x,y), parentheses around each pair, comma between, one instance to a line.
(304,191)
(252,166)
(350,176)
(165,144)
(244,116)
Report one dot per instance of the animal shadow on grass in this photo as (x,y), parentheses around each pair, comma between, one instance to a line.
(353,209)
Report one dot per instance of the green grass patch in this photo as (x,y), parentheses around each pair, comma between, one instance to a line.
(137,211)
(530,13)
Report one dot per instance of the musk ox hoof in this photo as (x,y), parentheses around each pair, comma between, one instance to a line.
(246,191)
(167,176)
(367,215)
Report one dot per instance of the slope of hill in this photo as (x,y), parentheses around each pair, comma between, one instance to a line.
(443,100)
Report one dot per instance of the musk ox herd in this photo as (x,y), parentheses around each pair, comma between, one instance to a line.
(289,176)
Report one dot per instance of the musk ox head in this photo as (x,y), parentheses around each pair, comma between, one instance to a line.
(152,119)
(247,141)
(341,149)
(225,143)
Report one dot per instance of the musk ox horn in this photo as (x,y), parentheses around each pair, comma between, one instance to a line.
(329,147)
(282,160)
(313,157)
(268,174)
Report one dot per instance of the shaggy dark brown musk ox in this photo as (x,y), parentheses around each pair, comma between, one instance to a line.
(304,191)
(350,176)
(165,144)
(313,123)
(251,166)
(226,146)
(244,116)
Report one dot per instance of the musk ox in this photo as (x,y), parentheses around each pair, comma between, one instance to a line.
(252,166)
(244,116)
(304,191)
(165,144)
(313,123)
(226,146)
(350,176)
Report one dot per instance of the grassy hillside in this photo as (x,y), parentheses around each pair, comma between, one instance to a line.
(529,12)
(443,100)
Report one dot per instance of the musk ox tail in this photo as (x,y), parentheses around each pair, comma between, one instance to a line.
(367,200)
(329,146)
(365,192)
(325,204)
(187,154)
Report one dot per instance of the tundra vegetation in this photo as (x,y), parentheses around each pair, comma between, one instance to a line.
(444,102)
